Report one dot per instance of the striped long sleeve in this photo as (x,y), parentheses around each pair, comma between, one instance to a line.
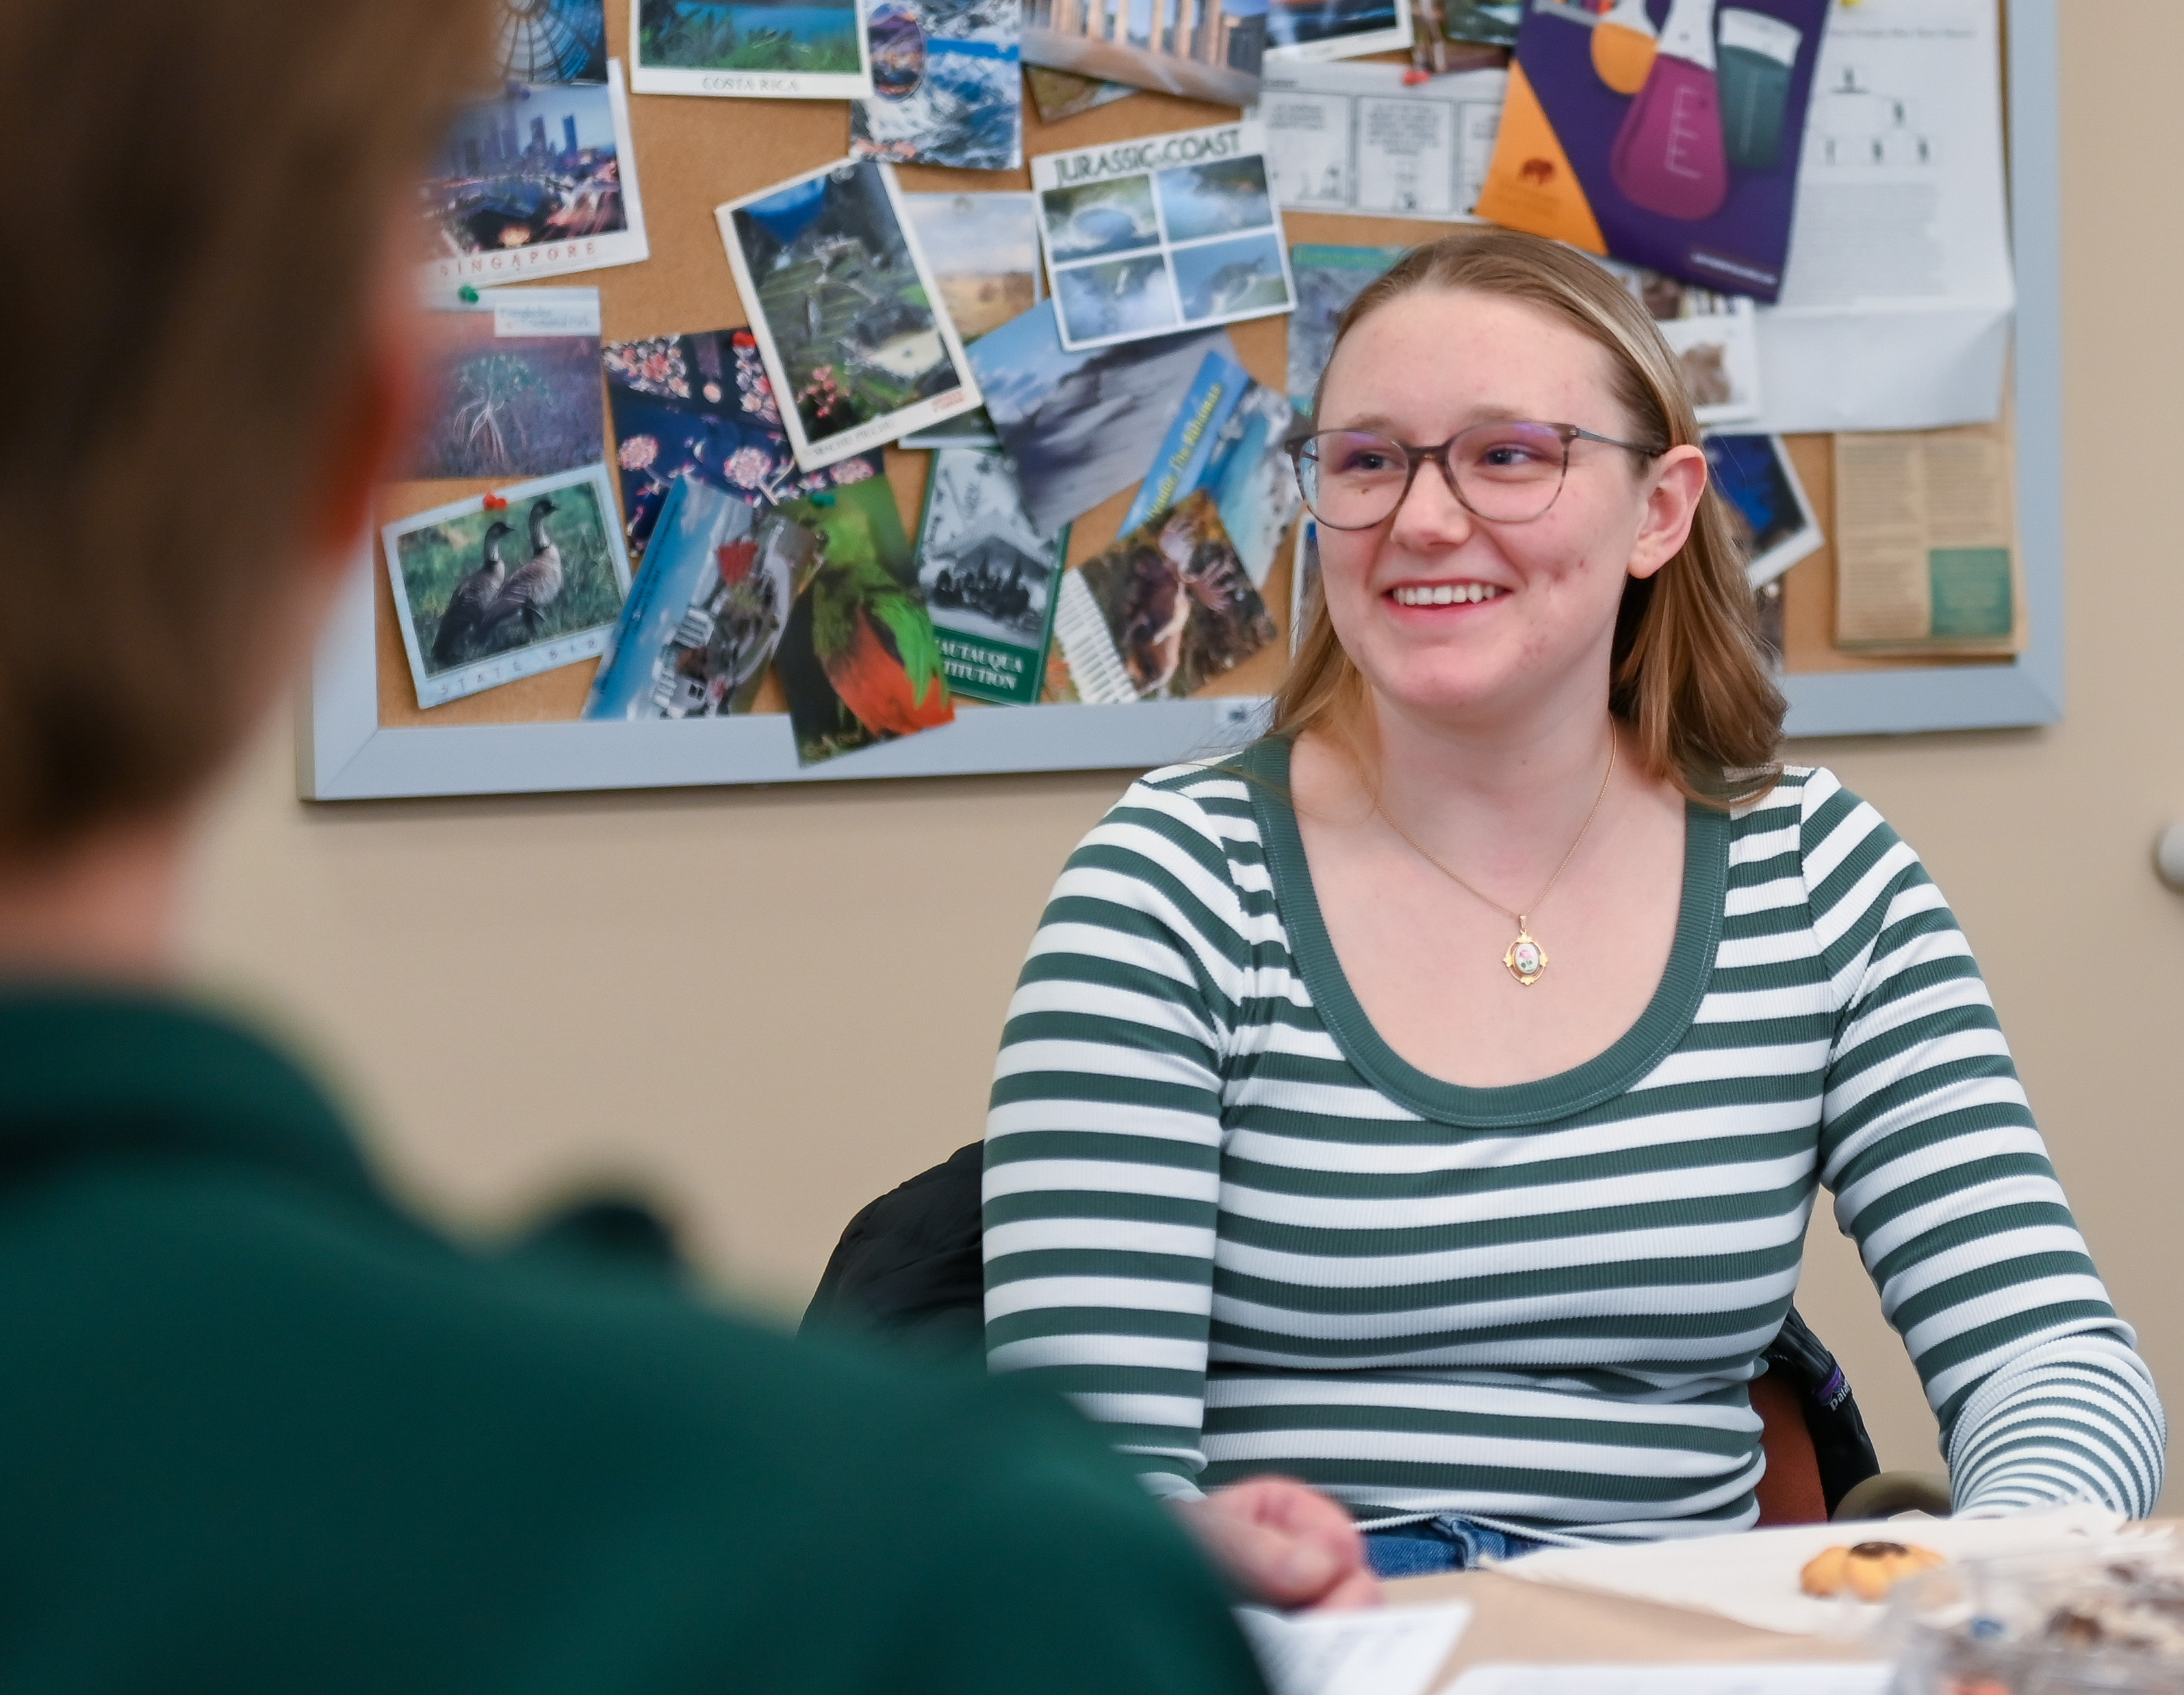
(1235,1226)
(1928,1144)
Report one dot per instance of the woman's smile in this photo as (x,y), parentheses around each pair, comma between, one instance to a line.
(1436,597)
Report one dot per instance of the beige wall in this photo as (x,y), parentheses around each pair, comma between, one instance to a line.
(771,1005)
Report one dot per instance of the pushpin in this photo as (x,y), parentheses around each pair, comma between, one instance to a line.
(823,499)
(467,295)
(496,503)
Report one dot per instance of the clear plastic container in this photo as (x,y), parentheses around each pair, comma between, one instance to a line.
(2111,1624)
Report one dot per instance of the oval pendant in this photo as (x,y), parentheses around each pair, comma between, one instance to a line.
(1526,959)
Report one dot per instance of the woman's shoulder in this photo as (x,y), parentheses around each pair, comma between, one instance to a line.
(1195,820)
(1838,838)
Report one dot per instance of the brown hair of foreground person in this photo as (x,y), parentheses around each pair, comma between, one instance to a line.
(184,321)
(1688,673)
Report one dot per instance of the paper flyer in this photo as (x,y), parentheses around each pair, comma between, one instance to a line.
(947,87)
(842,303)
(1358,138)
(1670,138)
(698,629)
(1162,612)
(1926,542)
(538,181)
(1904,135)
(1160,233)
(989,577)
(812,50)
(508,584)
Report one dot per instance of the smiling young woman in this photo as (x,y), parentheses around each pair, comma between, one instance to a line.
(1429,1103)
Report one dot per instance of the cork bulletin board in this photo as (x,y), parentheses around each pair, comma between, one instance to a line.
(363,735)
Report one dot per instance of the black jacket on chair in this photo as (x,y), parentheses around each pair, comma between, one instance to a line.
(909,1268)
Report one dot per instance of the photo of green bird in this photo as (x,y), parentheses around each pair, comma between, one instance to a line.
(860,661)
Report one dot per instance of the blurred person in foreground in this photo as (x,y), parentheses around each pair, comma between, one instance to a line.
(258,1429)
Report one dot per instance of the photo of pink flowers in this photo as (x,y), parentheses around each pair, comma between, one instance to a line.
(699,405)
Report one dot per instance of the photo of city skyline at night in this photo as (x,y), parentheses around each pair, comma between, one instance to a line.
(540,164)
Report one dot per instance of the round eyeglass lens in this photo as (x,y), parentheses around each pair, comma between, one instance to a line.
(1506,472)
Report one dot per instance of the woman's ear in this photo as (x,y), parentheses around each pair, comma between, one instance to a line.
(1672,506)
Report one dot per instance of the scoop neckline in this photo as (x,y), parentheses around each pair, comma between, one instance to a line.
(1667,1015)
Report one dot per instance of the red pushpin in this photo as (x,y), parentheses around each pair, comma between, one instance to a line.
(496,503)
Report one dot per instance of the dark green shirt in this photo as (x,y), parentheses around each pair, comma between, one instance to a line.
(260,1431)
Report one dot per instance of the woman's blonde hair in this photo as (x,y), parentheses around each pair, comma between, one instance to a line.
(1688,674)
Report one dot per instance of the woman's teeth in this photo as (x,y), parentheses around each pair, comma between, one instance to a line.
(1445,593)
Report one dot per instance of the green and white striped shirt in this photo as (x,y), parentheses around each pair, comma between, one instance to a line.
(1228,1220)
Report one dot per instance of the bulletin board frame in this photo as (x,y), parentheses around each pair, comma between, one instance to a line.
(344,752)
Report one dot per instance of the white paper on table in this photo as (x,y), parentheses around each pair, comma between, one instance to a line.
(1371,1651)
(1753,1578)
(1860,1677)
(1357,138)
(1896,303)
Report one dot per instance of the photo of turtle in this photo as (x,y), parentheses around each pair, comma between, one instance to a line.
(1224,281)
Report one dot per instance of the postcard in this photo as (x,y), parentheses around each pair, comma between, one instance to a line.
(515,381)
(947,85)
(988,575)
(1076,423)
(1227,436)
(804,50)
(842,303)
(550,40)
(1359,139)
(508,584)
(1492,22)
(700,626)
(1674,148)
(1715,338)
(1304,583)
(1328,279)
(1200,49)
(985,250)
(1162,612)
(1147,237)
(537,182)
(1306,32)
(860,661)
(1060,94)
(1767,503)
(700,406)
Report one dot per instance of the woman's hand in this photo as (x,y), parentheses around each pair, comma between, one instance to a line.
(1284,1543)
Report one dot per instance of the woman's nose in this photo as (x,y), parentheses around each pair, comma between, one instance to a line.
(1430,516)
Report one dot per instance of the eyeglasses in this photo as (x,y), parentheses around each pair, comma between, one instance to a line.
(1506,473)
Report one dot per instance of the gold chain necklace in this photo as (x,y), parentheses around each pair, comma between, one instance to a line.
(1527,960)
